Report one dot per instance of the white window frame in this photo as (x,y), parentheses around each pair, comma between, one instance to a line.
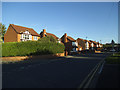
(30,37)
(92,45)
(26,36)
(87,45)
(74,44)
(27,32)
(97,45)
(80,49)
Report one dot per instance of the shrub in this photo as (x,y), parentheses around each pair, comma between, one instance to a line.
(47,39)
(31,48)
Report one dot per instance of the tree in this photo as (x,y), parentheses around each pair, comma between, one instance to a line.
(2,30)
(112,42)
(48,39)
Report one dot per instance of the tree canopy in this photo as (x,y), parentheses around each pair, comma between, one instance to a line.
(47,39)
(2,30)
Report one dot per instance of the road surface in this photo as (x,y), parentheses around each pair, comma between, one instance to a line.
(64,72)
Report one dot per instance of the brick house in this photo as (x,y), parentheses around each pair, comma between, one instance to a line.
(17,33)
(85,44)
(95,45)
(44,34)
(71,45)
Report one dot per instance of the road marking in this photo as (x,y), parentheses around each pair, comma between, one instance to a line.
(90,76)
(101,68)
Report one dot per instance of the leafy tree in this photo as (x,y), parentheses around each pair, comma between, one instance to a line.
(47,39)
(2,30)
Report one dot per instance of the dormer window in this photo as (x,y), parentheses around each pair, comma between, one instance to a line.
(26,32)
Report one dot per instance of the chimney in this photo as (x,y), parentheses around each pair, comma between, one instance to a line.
(65,38)
(44,32)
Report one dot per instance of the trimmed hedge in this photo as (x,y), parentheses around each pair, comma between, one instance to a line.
(31,48)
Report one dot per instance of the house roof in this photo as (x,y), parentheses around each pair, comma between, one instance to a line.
(50,34)
(94,42)
(82,39)
(70,38)
(20,29)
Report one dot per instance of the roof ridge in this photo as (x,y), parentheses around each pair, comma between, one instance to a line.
(18,29)
(13,28)
(21,26)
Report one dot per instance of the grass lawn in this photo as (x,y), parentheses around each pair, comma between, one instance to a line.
(113,59)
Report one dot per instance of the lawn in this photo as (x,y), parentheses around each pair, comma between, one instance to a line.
(113,59)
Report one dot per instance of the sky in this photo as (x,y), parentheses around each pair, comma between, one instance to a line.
(94,20)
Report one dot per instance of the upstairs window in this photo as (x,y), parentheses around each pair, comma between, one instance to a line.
(27,32)
(92,45)
(26,36)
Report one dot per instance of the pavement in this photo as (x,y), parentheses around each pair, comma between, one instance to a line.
(109,77)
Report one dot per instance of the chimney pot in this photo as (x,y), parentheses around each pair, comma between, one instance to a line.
(44,32)
(65,34)
(65,37)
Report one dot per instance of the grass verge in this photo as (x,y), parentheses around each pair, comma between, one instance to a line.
(113,59)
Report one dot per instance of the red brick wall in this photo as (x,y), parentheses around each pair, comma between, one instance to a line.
(81,43)
(10,35)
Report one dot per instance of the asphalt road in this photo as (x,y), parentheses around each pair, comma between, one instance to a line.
(65,72)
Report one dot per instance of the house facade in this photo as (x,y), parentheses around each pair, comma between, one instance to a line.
(85,44)
(71,45)
(17,33)
(89,44)
(95,45)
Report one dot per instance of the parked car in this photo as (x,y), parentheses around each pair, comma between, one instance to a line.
(112,50)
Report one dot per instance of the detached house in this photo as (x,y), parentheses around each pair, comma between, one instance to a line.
(71,45)
(44,34)
(17,33)
(85,44)
(95,45)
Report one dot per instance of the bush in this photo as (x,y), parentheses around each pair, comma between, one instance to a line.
(31,48)
(47,39)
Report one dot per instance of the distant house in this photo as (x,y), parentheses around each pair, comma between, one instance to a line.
(44,34)
(85,44)
(17,33)
(71,45)
(95,45)
(89,44)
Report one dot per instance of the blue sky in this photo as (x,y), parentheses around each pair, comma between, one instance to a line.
(95,20)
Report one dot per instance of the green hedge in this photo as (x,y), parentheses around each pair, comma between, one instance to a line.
(31,48)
